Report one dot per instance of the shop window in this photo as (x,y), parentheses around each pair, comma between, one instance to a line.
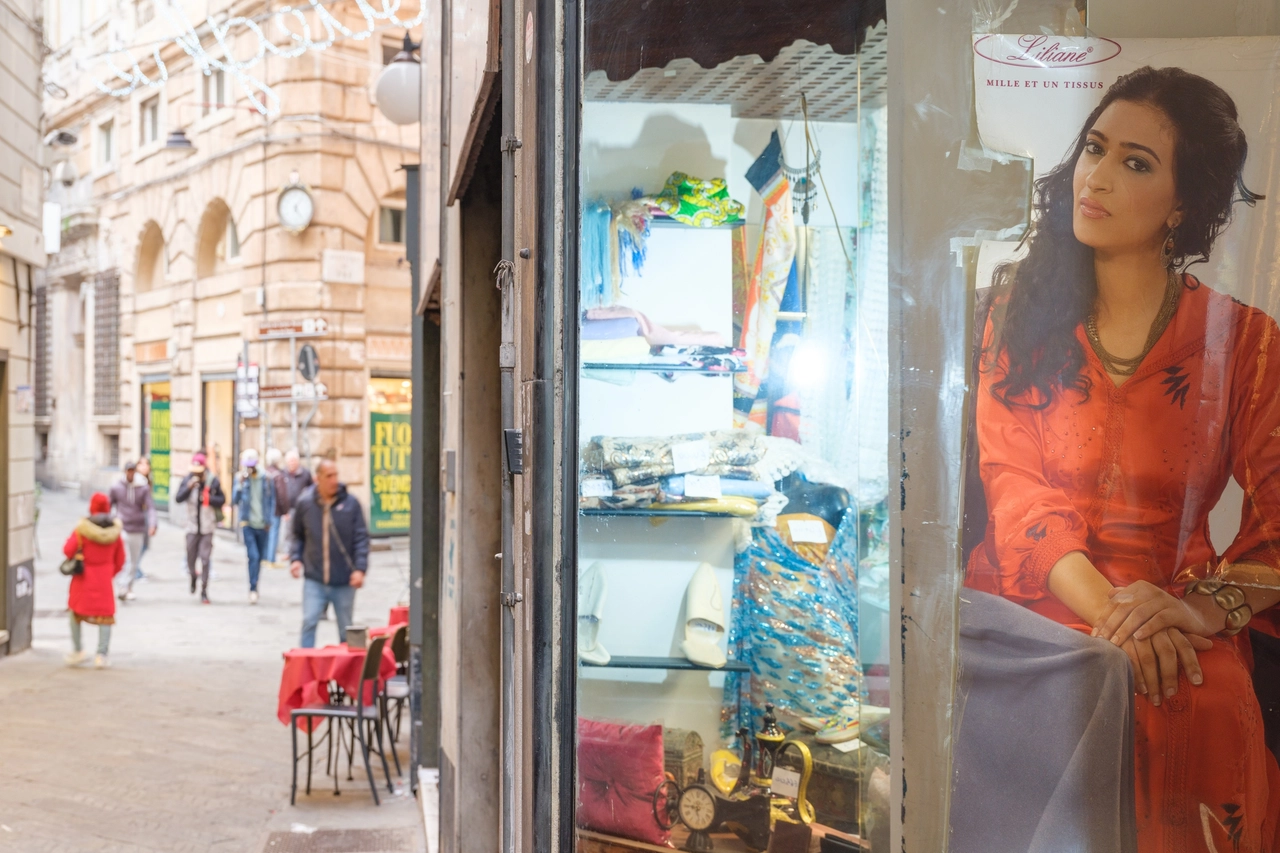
(732,554)
(149,121)
(391,225)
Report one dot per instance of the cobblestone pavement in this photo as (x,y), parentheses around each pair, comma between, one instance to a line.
(177,747)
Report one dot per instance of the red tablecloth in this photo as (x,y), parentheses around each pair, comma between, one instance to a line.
(307,673)
(399,615)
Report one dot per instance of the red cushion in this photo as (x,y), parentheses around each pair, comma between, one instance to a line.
(619,769)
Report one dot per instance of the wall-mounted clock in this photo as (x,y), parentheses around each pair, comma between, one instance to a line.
(295,205)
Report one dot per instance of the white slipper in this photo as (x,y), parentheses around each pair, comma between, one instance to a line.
(590,608)
(704,619)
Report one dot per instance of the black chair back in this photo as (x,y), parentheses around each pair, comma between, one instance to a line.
(371,672)
(373,659)
(400,645)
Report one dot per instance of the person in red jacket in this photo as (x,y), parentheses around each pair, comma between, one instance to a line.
(92,596)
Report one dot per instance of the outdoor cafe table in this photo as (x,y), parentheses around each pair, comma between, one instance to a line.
(307,673)
(399,615)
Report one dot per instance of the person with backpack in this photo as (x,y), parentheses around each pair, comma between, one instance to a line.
(331,545)
(95,555)
(202,492)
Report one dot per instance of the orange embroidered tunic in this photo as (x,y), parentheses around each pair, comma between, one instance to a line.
(1128,476)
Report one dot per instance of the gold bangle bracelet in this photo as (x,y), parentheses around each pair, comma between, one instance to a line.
(1230,598)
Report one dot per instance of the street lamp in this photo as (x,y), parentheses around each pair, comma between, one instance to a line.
(399,86)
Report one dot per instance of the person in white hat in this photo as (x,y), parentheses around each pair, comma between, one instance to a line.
(255,500)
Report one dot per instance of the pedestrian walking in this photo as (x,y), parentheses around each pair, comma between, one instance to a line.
(132,504)
(201,491)
(255,500)
(144,468)
(97,540)
(274,472)
(331,545)
(294,480)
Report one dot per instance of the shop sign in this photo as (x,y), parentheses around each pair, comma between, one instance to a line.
(24,400)
(160,452)
(298,392)
(247,391)
(309,327)
(390,451)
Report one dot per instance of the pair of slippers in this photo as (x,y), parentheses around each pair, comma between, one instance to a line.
(704,618)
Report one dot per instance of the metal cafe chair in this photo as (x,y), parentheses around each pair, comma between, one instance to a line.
(397,687)
(365,722)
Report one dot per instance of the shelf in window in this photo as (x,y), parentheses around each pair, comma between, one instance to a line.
(667,222)
(656,513)
(628,662)
(651,367)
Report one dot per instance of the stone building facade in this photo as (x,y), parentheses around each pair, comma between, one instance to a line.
(21,256)
(174,258)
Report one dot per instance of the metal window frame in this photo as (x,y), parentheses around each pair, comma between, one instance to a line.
(106,343)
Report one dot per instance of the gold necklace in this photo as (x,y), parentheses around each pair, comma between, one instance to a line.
(1129,366)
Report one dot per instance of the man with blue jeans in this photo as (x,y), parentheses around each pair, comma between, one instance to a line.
(331,545)
(255,499)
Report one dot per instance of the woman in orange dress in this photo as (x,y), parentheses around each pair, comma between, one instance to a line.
(1117,397)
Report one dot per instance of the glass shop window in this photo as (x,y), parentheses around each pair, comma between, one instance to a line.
(732,565)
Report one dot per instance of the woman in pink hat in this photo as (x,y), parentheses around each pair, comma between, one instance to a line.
(203,495)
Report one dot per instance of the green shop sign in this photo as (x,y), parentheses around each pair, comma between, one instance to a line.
(389,454)
(160,452)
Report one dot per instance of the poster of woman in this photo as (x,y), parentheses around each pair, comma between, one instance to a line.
(1129,372)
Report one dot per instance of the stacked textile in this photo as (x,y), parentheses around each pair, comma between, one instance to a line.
(656,472)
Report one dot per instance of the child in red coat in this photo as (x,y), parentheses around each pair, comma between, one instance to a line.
(92,596)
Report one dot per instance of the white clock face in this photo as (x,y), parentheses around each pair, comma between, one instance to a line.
(697,808)
(296,209)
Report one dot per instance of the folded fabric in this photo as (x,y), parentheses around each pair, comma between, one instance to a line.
(619,351)
(627,497)
(726,447)
(741,507)
(657,335)
(730,486)
(702,203)
(605,330)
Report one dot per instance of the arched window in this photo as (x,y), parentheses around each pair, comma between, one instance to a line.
(218,241)
(151,262)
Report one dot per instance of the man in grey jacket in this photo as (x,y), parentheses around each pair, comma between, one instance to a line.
(132,503)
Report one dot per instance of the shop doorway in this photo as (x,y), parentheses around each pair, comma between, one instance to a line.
(218,432)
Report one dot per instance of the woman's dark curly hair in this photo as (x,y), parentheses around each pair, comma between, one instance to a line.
(1052,289)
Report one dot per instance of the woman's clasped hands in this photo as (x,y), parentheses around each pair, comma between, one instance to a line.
(1158,632)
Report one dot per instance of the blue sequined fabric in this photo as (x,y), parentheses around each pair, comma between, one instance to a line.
(796,628)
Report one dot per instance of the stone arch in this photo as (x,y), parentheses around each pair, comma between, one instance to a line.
(217,240)
(149,273)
